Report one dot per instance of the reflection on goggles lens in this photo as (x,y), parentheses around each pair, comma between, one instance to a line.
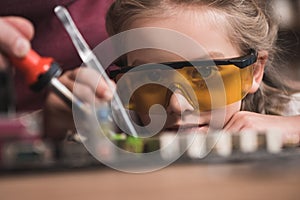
(204,87)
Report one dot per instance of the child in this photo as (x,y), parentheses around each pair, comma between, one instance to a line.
(237,29)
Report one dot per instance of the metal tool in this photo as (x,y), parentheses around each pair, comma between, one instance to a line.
(41,72)
(90,60)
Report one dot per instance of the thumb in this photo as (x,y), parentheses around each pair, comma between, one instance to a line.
(15,35)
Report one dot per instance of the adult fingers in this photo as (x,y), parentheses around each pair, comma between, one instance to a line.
(14,36)
(93,79)
(21,24)
(84,93)
(81,91)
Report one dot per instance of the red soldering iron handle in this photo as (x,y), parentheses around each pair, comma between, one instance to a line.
(38,71)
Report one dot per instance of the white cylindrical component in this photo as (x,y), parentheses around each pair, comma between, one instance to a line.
(169,146)
(248,141)
(274,141)
(211,141)
(197,148)
(224,144)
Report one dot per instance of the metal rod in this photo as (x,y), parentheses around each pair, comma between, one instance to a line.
(90,60)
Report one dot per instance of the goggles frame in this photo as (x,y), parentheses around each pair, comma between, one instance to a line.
(240,62)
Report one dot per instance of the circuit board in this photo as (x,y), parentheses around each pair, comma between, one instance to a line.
(23,148)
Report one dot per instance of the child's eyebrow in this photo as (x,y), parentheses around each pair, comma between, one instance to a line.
(211,55)
(137,62)
(215,54)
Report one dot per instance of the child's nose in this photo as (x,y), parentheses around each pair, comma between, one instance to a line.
(179,104)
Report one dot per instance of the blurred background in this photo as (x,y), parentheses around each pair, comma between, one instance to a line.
(288,12)
(31,168)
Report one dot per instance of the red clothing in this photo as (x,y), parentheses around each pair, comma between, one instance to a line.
(51,38)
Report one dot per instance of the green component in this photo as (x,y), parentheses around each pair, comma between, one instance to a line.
(118,137)
(135,145)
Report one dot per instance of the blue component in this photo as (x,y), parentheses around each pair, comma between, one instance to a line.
(103,113)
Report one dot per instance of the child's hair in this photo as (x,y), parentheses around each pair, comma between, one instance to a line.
(250,24)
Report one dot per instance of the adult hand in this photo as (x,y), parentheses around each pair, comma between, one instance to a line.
(15,34)
(87,85)
(244,120)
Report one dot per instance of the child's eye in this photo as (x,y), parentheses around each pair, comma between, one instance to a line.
(145,76)
(203,72)
(154,75)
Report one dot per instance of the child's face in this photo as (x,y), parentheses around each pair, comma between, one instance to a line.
(213,39)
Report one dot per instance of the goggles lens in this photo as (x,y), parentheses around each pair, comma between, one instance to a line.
(205,87)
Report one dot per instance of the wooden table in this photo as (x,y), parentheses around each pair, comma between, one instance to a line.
(255,180)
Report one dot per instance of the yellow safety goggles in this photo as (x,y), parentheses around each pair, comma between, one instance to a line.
(206,84)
